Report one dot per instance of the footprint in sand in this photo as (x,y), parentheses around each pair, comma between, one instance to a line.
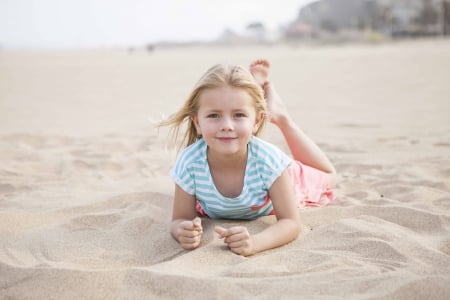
(442,202)
(445,247)
(442,144)
(357,125)
(6,188)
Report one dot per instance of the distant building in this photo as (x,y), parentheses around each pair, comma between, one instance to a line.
(256,31)
(412,18)
(332,15)
(300,30)
(446,17)
(229,36)
(253,33)
(390,17)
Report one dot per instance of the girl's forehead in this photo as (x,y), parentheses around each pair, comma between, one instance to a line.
(225,95)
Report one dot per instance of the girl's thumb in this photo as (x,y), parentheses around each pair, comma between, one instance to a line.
(220,231)
(197,222)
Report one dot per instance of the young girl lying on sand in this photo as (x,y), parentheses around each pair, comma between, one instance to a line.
(225,171)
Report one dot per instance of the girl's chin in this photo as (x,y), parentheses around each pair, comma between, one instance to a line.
(232,150)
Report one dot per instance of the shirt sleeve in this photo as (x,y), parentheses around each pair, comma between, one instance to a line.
(182,174)
(273,163)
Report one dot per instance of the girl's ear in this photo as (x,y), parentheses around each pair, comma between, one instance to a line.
(196,124)
(259,119)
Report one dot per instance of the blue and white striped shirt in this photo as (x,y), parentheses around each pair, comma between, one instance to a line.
(265,163)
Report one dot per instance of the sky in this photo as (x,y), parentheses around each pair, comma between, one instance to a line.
(104,23)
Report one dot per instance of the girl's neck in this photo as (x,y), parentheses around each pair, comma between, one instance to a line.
(228,172)
(223,162)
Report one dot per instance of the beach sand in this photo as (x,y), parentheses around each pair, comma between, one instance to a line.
(85,196)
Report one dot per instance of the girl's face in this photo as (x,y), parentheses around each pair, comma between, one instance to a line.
(226,119)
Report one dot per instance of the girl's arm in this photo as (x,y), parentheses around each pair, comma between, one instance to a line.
(287,227)
(186,227)
(285,230)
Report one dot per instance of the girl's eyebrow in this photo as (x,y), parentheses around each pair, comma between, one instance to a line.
(212,110)
(208,111)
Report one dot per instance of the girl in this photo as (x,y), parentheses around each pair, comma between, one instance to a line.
(227,172)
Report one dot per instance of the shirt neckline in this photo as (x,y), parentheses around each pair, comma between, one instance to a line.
(211,180)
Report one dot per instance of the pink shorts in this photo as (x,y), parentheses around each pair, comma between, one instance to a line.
(311,186)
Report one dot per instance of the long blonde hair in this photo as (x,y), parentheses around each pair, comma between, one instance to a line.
(216,77)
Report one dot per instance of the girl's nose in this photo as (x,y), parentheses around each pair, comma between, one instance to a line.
(227,124)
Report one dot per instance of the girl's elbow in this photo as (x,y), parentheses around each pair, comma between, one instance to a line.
(295,227)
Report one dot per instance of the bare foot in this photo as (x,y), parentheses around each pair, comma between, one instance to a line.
(275,106)
(260,71)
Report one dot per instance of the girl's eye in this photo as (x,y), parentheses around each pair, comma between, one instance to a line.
(239,115)
(213,116)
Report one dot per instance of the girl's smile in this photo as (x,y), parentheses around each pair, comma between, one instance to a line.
(226,139)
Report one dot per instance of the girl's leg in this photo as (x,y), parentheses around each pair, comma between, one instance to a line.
(301,146)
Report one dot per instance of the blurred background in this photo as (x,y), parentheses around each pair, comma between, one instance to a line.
(92,67)
(55,24)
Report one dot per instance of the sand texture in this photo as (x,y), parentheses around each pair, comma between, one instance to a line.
(85,196)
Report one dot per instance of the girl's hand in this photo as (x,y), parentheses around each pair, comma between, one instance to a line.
(189,233)
(237,238)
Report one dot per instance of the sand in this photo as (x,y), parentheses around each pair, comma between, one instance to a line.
(85,197)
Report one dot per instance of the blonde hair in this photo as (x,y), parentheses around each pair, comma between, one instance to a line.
(216,77)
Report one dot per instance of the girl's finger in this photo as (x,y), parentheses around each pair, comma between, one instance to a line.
(222,232)
(237,244)
(236,237)
(189,240)
(191,233)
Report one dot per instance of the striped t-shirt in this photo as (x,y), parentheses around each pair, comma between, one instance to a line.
(265,163)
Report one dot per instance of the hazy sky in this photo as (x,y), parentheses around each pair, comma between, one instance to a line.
(86,23)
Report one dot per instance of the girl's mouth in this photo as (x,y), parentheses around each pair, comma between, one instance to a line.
(226,139)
